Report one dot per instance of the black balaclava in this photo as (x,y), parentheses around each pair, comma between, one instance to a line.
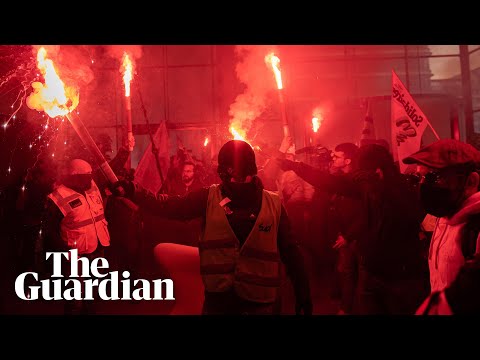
(236,160)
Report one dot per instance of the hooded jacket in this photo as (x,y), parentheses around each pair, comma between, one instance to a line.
(445,256)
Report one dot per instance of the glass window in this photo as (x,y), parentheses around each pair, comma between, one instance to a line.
(374,77)
(190,95)
(376,51)
(444,49)
(444,67)
(475,86)
(189,54)
(418,50)
(474,60)
(419,75)
(299,53)
(476,122)
(152,87)
(152,55)
(446,76)
(315,80)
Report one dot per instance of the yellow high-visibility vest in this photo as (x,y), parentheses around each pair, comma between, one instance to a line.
(252,270)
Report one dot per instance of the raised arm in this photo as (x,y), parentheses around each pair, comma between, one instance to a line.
(192,205)
(335,184)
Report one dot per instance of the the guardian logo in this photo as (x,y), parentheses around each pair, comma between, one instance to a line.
(81,286)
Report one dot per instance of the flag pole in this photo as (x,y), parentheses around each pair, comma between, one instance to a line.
(434,132)
(154,147)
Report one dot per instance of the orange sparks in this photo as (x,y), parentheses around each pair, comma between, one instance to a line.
(127,69)
(53,97)
(273,61)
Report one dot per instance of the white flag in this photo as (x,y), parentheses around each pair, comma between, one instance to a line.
(146,173)
(408,122)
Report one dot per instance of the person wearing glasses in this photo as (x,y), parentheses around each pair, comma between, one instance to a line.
(390,262)
(448,182)
(343,221)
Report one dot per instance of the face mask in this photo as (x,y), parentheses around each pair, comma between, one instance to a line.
(240,191)
(79,182)
(440,201)
(239,187)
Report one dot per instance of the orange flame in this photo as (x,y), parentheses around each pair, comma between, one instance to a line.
(317,118)
(273,61)
(53,97)
(315,124)
(127,69)
(205,143)
(237,135)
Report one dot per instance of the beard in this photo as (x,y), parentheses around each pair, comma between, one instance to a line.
(187,179)
(336,169)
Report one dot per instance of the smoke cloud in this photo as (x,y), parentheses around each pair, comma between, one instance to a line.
(117,51)
(72,63)
(259,80)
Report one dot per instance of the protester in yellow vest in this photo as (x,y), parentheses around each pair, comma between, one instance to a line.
(246,237)
(75,219)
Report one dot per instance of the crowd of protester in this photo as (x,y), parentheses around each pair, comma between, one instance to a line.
(378,241)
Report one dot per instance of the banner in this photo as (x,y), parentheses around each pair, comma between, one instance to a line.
(146,173)
(408,122)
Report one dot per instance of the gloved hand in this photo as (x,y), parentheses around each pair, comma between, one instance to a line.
(123,188)
(287,142)
(130,142)
(285,164)
(304,305)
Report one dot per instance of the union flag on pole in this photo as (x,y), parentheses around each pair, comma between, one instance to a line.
(408,122)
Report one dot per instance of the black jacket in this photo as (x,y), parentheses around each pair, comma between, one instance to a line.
(387,225)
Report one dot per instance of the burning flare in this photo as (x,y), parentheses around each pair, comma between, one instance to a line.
(315,124)
(205,143)
(127,69)
(53,97)
(317,118)
(273,61)
(237,135)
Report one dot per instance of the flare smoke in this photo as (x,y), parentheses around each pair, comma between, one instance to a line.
(72,61)
(257,78)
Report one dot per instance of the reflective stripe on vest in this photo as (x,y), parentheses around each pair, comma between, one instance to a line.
(254,270)
(217,244)
(63,203)
(84,223)
(80,224)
